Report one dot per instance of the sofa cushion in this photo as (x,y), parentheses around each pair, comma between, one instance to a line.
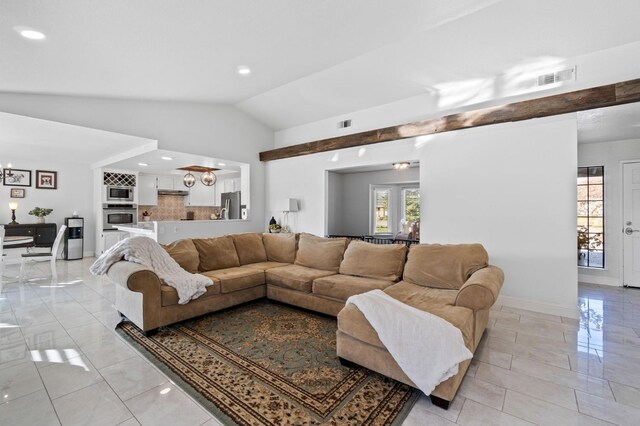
(280,247)
(216,253)
(443,266)
(294,277)
(185,253)
(320,253)
(263,266)
(380,261)
(437,301)
(238,278)
(343,286)
(249,248)
(352,321)
(408,291)
(169,295)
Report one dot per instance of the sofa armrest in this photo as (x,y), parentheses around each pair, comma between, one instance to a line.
(481,289)
(135,277)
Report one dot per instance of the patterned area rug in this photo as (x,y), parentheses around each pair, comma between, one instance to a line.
(264,363)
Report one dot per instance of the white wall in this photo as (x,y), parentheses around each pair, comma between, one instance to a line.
(609,155)
(351,216)
(602,67)
(209,130)
(511,187)
(74,193)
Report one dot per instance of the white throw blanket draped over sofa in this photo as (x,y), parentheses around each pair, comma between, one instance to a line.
(147,252)
(425,346)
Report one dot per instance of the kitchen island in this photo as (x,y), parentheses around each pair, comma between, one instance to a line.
(167,231)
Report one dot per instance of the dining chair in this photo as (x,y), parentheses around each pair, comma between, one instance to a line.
(44,256)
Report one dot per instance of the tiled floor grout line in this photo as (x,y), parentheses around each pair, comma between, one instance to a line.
(619,349)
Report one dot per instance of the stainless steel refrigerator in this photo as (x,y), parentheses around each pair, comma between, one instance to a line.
(230,203)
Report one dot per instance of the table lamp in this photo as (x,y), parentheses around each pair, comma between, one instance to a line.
(13,206)
(287,205)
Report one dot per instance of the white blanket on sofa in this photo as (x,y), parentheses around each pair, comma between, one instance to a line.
(147,252)
(425,346)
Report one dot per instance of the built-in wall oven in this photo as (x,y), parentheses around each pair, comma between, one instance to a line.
(118,194)
(118,214)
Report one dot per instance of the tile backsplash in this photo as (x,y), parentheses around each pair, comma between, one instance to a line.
(171,207)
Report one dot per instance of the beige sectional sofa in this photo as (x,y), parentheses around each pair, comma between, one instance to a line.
(454,282)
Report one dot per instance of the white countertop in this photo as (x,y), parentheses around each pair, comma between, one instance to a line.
(137,229)
(202,221)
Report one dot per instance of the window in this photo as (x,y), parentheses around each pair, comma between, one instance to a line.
(381,218)
(411,204)
(591,216)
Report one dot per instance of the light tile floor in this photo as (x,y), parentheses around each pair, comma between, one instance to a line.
(62,363)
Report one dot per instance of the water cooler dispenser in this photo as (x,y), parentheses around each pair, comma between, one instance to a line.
(73,238)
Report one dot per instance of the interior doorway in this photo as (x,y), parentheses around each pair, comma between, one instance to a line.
(608,151)
(377,202)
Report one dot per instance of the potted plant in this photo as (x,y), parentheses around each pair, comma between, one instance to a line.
(40,213)
(146,215)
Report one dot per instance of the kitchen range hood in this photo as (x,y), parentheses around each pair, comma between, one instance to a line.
(179,192)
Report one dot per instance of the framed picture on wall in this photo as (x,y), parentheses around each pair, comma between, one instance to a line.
(46,179)
(16,177)
(17,193)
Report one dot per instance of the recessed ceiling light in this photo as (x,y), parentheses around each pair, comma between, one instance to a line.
(167,158)
(32,35)
(244,70)
(143,164)
(221,164)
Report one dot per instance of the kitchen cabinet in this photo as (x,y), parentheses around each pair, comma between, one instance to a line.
(148,190)
(171,182)
(111,238)
(231,185)
(218,191)
(201,195)
(165,182)
(226,185)
(236,184)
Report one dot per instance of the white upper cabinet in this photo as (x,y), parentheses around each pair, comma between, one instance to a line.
(147,190)
(200,194)
(218,191)
(171,182)
(166,182)
(230,185)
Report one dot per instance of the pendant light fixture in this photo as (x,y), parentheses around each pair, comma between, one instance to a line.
(208,178)
(189,179)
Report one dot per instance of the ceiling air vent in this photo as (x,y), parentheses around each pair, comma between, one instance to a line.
(344,124)
(568,74)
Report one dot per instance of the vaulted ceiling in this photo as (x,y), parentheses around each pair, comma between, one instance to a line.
(309,59)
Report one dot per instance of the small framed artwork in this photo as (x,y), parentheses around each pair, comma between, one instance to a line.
(46,179)
(16,177)
(17,193)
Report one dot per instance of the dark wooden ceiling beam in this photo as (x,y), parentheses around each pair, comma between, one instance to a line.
(562,103)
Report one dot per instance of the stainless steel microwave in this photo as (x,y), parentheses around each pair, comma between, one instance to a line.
(119,194)
(119,214)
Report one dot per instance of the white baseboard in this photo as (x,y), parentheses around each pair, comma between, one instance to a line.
(87,254)
(542,307)
(593,279)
